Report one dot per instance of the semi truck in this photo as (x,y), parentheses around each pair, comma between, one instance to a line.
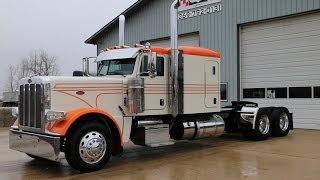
(137,91)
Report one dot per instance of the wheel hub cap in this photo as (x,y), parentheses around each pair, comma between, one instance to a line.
(92,147)
(264,125)
(284,122)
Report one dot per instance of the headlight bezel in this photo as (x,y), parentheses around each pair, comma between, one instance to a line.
(54,116)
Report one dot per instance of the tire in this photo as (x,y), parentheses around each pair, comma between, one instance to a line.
(78,152)
(263,126)
(281,122)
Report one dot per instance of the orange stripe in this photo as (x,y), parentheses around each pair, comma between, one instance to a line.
(72,84)
(106,87)
(92,90)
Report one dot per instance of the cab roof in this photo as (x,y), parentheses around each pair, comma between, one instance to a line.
(123,52)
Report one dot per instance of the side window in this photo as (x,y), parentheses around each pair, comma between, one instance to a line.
(144,66)
(316,92)
(160,66)
(223,91)
(275,93)
(300,92)
(254,93)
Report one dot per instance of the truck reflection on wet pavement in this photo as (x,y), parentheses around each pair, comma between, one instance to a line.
(229,157)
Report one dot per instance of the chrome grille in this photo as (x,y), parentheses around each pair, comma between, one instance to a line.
(31,108)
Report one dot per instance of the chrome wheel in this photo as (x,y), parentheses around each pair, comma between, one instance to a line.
(284,121)
(264,125)
(92,147)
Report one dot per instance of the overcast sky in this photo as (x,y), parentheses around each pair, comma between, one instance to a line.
(58,26)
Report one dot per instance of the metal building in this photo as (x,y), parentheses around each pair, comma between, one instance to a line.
(270,48)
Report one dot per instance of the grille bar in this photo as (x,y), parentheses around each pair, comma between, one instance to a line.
(31,110)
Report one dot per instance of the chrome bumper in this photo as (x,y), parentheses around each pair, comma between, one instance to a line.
(47,147)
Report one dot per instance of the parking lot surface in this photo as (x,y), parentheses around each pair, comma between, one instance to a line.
(296,156)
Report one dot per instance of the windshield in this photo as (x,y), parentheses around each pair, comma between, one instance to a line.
(116,67)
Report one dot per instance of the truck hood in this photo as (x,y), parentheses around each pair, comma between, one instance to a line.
(54,80)
(70,93)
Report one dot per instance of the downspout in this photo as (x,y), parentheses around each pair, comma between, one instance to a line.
(174,58)
(122,21)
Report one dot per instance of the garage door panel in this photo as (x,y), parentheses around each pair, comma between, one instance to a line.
(278,83)
(282,29)
(280,23)
(282,72)
(305,41)
(280,66)
(281,60)
(284,53)
(306,54)
(272,38)
(308,80)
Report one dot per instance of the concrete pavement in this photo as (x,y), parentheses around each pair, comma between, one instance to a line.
(296,156)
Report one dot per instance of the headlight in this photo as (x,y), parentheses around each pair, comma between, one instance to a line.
(55,115)
(47,96)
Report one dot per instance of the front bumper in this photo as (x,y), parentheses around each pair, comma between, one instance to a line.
(44,146)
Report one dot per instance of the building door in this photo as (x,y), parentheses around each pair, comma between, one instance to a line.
(280,66)
(192,39)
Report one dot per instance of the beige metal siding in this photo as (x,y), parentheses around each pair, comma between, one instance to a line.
(284,53)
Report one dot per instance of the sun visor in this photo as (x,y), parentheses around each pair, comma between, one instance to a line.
(118,54)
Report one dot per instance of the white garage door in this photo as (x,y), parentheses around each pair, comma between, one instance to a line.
(280,66)
(184,40)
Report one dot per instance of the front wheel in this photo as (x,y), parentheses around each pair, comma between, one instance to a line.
(89,147)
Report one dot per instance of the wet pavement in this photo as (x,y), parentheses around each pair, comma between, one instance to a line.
(296,156)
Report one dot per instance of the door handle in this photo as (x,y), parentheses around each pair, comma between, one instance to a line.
(161,102)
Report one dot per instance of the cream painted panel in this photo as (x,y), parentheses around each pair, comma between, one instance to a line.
(195,84)
(212,89)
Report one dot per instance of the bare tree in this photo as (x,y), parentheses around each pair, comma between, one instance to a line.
(12,79)
(37,63)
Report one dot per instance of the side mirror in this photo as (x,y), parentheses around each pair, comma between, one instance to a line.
(86,65)
(152,64)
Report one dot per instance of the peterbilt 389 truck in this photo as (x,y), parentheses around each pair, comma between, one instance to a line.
(137,91)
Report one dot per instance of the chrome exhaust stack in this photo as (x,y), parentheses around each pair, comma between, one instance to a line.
(122,21)
(174,104)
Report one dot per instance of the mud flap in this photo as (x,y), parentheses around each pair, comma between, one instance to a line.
(291,121)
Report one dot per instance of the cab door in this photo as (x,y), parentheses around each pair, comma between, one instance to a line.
(156,89)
